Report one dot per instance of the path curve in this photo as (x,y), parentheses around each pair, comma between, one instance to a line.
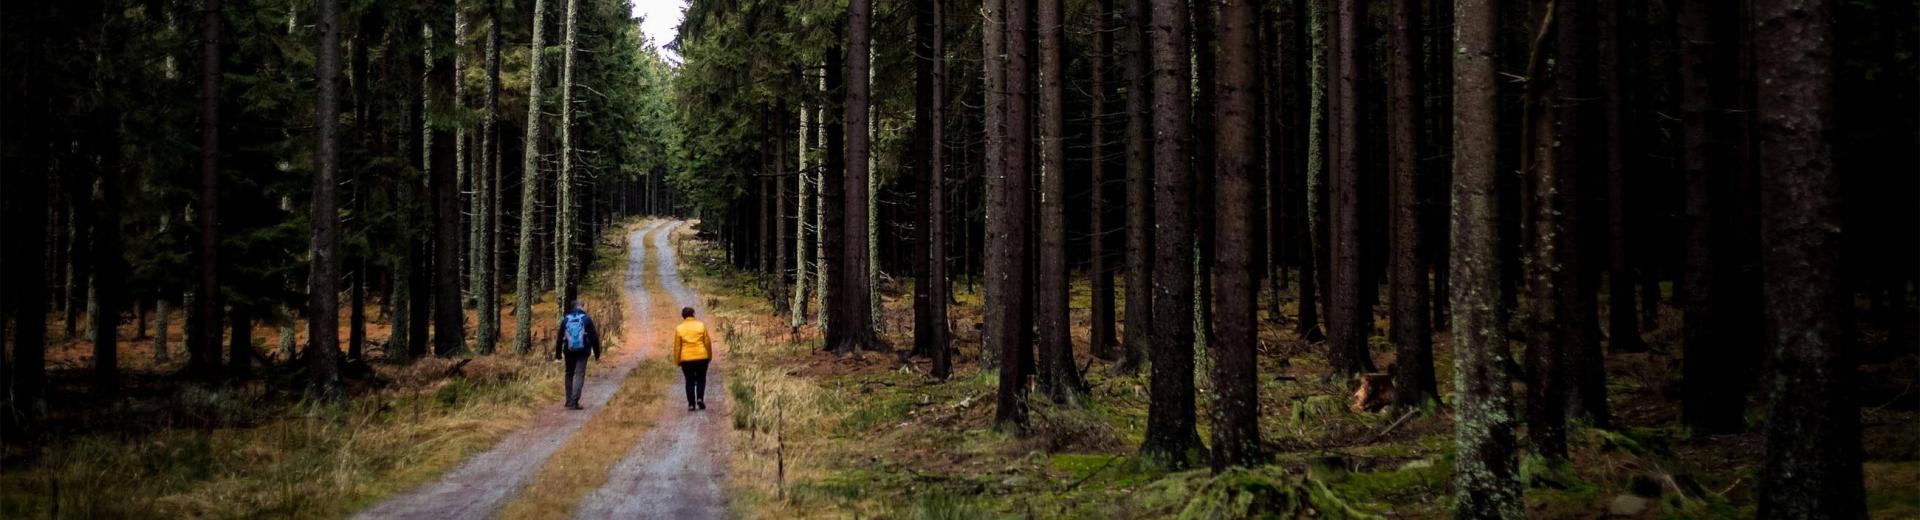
(679,468)
(485,483)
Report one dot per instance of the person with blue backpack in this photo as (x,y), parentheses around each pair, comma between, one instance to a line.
(578,339)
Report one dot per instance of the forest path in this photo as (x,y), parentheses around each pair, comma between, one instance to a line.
(481,486)
(679,467)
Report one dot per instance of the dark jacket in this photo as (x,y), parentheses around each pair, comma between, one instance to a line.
(560,338)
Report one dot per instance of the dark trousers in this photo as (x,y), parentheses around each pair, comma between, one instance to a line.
(695,373)
(576,376)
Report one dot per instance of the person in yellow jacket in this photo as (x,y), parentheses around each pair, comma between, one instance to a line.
(693,350)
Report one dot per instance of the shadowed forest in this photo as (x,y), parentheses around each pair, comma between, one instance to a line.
(994,259)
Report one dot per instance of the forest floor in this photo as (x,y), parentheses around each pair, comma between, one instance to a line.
(166,447)
(872,436)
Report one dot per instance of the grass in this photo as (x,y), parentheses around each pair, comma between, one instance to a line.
(254,449)
(871,436)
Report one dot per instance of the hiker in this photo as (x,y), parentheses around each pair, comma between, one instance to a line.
(578,338)
(692,350)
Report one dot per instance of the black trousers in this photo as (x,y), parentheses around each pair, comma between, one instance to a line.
(695,372)
(576,378)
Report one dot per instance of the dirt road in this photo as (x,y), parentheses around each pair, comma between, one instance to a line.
(479,487)
(678,469)
(675,471)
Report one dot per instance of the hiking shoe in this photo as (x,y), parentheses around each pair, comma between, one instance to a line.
(703,405)
(692,407)
(573,406)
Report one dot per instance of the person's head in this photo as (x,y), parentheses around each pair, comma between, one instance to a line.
(578,305)
(686,312)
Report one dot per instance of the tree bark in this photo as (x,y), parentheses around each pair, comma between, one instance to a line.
(938,291)
(1236,407)
(924,62)
(523,291)
(1140,214)
(240,354)
(1171,439)
(565,258)
(486,334)
(1812,467)
(1623,321)
(1101,332)
(851,322)
(1714,397)
(1059,376)
(1485,472)
(1574,155)
(1008,326)
(1349,318)
(323,312)
(1412,340)
(203,355)
(1314,272)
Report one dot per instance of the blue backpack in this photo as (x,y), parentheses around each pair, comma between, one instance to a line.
(575,329)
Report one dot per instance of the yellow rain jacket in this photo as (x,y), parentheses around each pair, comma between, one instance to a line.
(691,343)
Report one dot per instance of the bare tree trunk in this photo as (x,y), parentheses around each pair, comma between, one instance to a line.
(1574,156)
(1812,468)
(938,289)
(851,322)
(1102,331)
(1622,320)
(1486,472)
(797,308)
(1413,343)
(1313,292)
(999,334)
(323,313)
(203,354)
(564,259)
(1009,327)
(529,190)
(1171,439)
(1236,406)
(1059,377)
(240,352)
(1349,318)
(486,219)
(1140,214)
(924,62)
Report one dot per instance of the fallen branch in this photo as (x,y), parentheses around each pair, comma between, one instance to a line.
(1391,427)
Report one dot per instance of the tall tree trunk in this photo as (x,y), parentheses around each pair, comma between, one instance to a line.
(1349,318)
(1009,327)
(1140,214)
(833,194)
(1714,397)
(1101,333)
(109,267)
(1200,17)
(1313,292)
(1059,377)
(1574,158)
(1236,406)
(938,290)
(1623,325)
(1486,472)
(999,332)
(449,320)
(851,322)
(778,218)
(486,219)
(924,62)
(323,312)
(465,172)
(203,354)
(1812,468)
(797,308)
(1412,340)
(566,214)
(529,189)
(1171,439)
